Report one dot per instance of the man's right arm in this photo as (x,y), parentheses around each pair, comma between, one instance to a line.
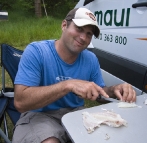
(29,98)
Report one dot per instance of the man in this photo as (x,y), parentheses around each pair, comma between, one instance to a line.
(54,78)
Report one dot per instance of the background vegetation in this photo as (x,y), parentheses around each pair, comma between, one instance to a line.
(23,27)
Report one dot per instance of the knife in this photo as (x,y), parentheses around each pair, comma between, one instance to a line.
(100,97)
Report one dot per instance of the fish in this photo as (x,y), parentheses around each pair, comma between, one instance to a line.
(92,121)
(126,105)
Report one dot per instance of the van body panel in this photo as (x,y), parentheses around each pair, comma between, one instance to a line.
(122,44)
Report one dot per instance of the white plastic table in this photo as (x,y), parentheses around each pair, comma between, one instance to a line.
(135,132)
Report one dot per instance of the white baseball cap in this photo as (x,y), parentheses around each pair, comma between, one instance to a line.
(83,16)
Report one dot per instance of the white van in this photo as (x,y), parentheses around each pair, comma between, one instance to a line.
(122,44)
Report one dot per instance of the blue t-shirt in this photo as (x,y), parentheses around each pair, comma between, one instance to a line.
(40,65)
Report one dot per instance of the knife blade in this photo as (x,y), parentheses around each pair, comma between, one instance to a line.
(107,99)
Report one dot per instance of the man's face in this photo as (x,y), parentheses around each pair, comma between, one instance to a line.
(76,38)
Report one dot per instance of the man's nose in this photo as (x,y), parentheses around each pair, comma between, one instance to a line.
(83,36)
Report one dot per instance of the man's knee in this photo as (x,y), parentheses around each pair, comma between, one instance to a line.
(51,140)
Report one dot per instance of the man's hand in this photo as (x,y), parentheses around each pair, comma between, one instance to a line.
(124,92)
(87,90)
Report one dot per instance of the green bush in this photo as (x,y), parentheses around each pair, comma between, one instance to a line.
(59,8)
(56,8)
(7,4)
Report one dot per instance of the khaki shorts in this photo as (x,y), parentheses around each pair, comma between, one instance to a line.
(35,127)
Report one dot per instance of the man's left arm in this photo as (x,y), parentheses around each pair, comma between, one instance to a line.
(123,92)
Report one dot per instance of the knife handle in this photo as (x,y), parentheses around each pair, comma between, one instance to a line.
(99,97)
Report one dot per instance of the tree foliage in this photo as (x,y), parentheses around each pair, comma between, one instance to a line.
(57,7)
(6,4)
(53,7)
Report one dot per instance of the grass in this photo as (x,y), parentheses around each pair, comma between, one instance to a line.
(20,30)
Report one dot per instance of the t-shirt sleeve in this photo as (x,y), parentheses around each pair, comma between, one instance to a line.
(29,69)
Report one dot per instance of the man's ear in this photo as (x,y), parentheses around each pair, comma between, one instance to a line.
(64,25)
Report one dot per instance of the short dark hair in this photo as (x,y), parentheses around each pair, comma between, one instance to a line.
(68,22)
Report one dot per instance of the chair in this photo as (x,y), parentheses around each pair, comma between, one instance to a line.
(10,58)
